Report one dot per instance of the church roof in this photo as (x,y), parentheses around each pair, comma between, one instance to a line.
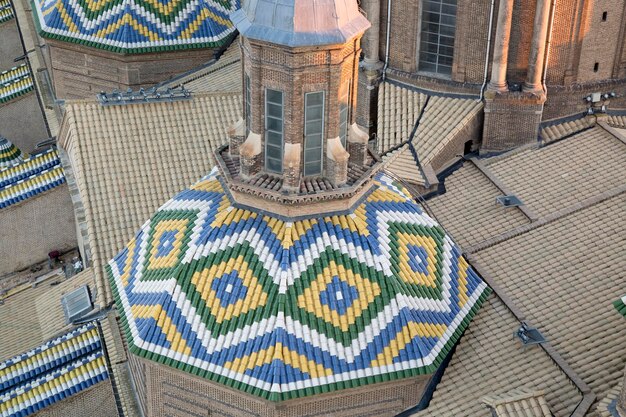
(134,26)
(283,309)
(52,372)
(9,153)
(300,22)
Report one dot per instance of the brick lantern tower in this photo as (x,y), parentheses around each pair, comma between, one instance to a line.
(300,62)
(297,277)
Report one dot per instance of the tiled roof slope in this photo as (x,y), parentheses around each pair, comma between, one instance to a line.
(40,313)
(564,276)
(133,26)
(9,153)
(560,130)
(470,214)
(31,177)
(489,360)
(442,120)
(6,11)
(51,372)
(584,165)
(562,271)
(617,121)
(287,309)
(518,403)
(15,82)
(122,182)
(222,76)
(398,110)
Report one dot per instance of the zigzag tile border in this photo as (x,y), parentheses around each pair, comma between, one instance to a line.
(31,177)
(283,310)
(137,26)
(51,372)
(6,12)
(9,153)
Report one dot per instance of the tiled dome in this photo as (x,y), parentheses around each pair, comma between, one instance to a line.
(283,309)
(300,22)
(132,26)
(9,153)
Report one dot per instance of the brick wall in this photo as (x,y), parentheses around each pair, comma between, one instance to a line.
(31,229)
(98,401)
(174,393)
(511,120)
(80,72)
(601,41)
(521,36)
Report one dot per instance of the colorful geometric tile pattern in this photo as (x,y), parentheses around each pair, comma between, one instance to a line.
(51,372)
(33,176)
(9,153)
(620,305)
(15,82)
(6,13)
(135,26)
(286,309)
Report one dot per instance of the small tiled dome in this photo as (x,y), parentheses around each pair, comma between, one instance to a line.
(9,153)
(300,22)
(286,308)
(131,26)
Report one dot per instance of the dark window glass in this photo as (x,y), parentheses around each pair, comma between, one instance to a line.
(437,37)
(274,131)
(313,132)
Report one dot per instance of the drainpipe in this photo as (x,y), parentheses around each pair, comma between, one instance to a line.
(388,38)
(545,64)
(482,88)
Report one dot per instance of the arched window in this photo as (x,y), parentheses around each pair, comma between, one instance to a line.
(437,36)
(274,134)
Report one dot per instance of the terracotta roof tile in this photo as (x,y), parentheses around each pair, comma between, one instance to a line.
(398,110)
(556,176)
(558,131)
(468,209)
(489,360)
(563,277)
(443,118)
(518,403)
(222,76)
(129,159)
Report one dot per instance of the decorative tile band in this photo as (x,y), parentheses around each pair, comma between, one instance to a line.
(31,177)
(16,88)
(6,13)
(51,372)
(135,26)
(29,167)
(9,153)
(288,309)
(14,73)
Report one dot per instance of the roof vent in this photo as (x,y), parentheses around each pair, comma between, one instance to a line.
(76,304)
(509,200)
(529,335)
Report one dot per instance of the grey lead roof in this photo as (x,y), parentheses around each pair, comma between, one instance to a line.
(300,22)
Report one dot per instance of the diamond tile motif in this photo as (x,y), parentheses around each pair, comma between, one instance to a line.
(284,309)
(136,26)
